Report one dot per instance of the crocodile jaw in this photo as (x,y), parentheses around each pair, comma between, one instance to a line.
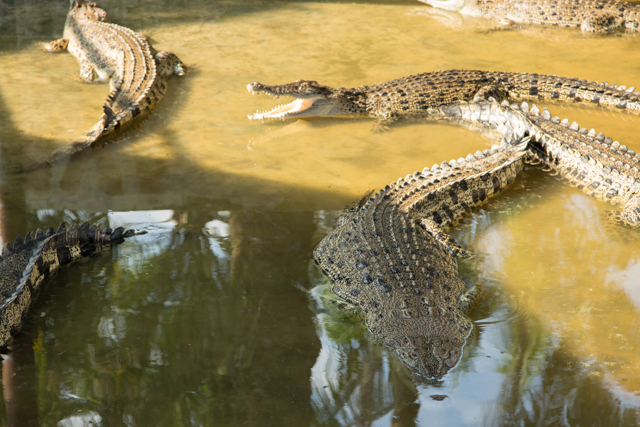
(299,108)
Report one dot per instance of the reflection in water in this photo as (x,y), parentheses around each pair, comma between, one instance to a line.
(202,322)
(355,381)
(196,347)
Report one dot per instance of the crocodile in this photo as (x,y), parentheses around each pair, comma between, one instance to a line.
(598,16)
(412,97)
(393,261)
(25,265)
(110,52)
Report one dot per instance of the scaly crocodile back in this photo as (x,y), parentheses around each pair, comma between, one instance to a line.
(25,265)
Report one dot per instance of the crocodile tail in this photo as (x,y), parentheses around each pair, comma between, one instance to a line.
(26,264)
(83,142)
(572,90)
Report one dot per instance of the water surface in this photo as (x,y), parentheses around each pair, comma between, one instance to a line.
(214,318)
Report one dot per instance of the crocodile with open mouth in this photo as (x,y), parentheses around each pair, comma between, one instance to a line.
(393,261)
(25,265)
(110,52)
(599,16)
(413,96)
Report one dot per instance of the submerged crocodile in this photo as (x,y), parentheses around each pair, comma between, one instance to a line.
(25,265)
(106,52)
(413,96)
(394,262)
(598,16)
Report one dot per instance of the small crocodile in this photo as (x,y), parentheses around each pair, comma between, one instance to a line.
(594,163)
(25,265)
(393,261)
(599,16)
(106,52)
(413,96)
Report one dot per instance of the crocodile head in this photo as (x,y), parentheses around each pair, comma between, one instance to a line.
(428,346)
(430,356)
(312,99)
(88,10)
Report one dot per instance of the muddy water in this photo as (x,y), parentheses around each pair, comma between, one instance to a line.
(214,317)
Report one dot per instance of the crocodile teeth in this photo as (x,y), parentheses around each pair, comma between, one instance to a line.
(435,166)
(574,126)
(546,114)
(631,89)
(470,158)
(524,107)
(623,87)
(505,103)
(425,170)
(564,123)
(479,155)
(600,137)
(592,133)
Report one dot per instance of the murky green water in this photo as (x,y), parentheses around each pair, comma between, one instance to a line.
(213,318)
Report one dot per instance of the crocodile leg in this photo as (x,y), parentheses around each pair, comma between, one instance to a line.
(629,216)
(384,122)
(436,231)
(469,299)
(88,74)
(57,46)
(168,64)
(602,23)
(494,91)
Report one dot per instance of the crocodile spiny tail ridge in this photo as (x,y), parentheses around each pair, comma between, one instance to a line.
(594,163)
(25,265)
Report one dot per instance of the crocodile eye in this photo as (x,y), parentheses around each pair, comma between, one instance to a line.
(526,133)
